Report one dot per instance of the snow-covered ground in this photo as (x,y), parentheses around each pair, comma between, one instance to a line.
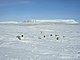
(35,46)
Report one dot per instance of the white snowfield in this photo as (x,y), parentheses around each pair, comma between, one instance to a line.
(39,42)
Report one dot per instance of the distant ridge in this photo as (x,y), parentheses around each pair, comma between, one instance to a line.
(36,21)
(67,21)
(8,22)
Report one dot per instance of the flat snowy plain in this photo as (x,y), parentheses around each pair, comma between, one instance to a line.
(35,47)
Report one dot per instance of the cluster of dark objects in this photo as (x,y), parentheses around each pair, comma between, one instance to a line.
(44,36)
(56,36)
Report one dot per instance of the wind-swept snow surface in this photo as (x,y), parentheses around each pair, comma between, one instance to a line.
(39,42)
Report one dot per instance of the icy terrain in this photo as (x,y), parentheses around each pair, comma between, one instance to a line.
(35,46)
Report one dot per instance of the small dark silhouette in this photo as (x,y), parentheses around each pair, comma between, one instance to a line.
(63,36)
(57,38)
(39,38)
(41,31)
(56,35)
(18,37)
(21,35)
(50,34)
(78,52)
(44,36)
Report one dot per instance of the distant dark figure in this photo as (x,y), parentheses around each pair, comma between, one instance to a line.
(41,31)
(44,36)
(21,35)
(18,37)
(78,52)
(63,36)
(56,35)
(57,38)
(39,38)
(50,34)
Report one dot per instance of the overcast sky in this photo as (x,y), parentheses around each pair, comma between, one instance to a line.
(39,9)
